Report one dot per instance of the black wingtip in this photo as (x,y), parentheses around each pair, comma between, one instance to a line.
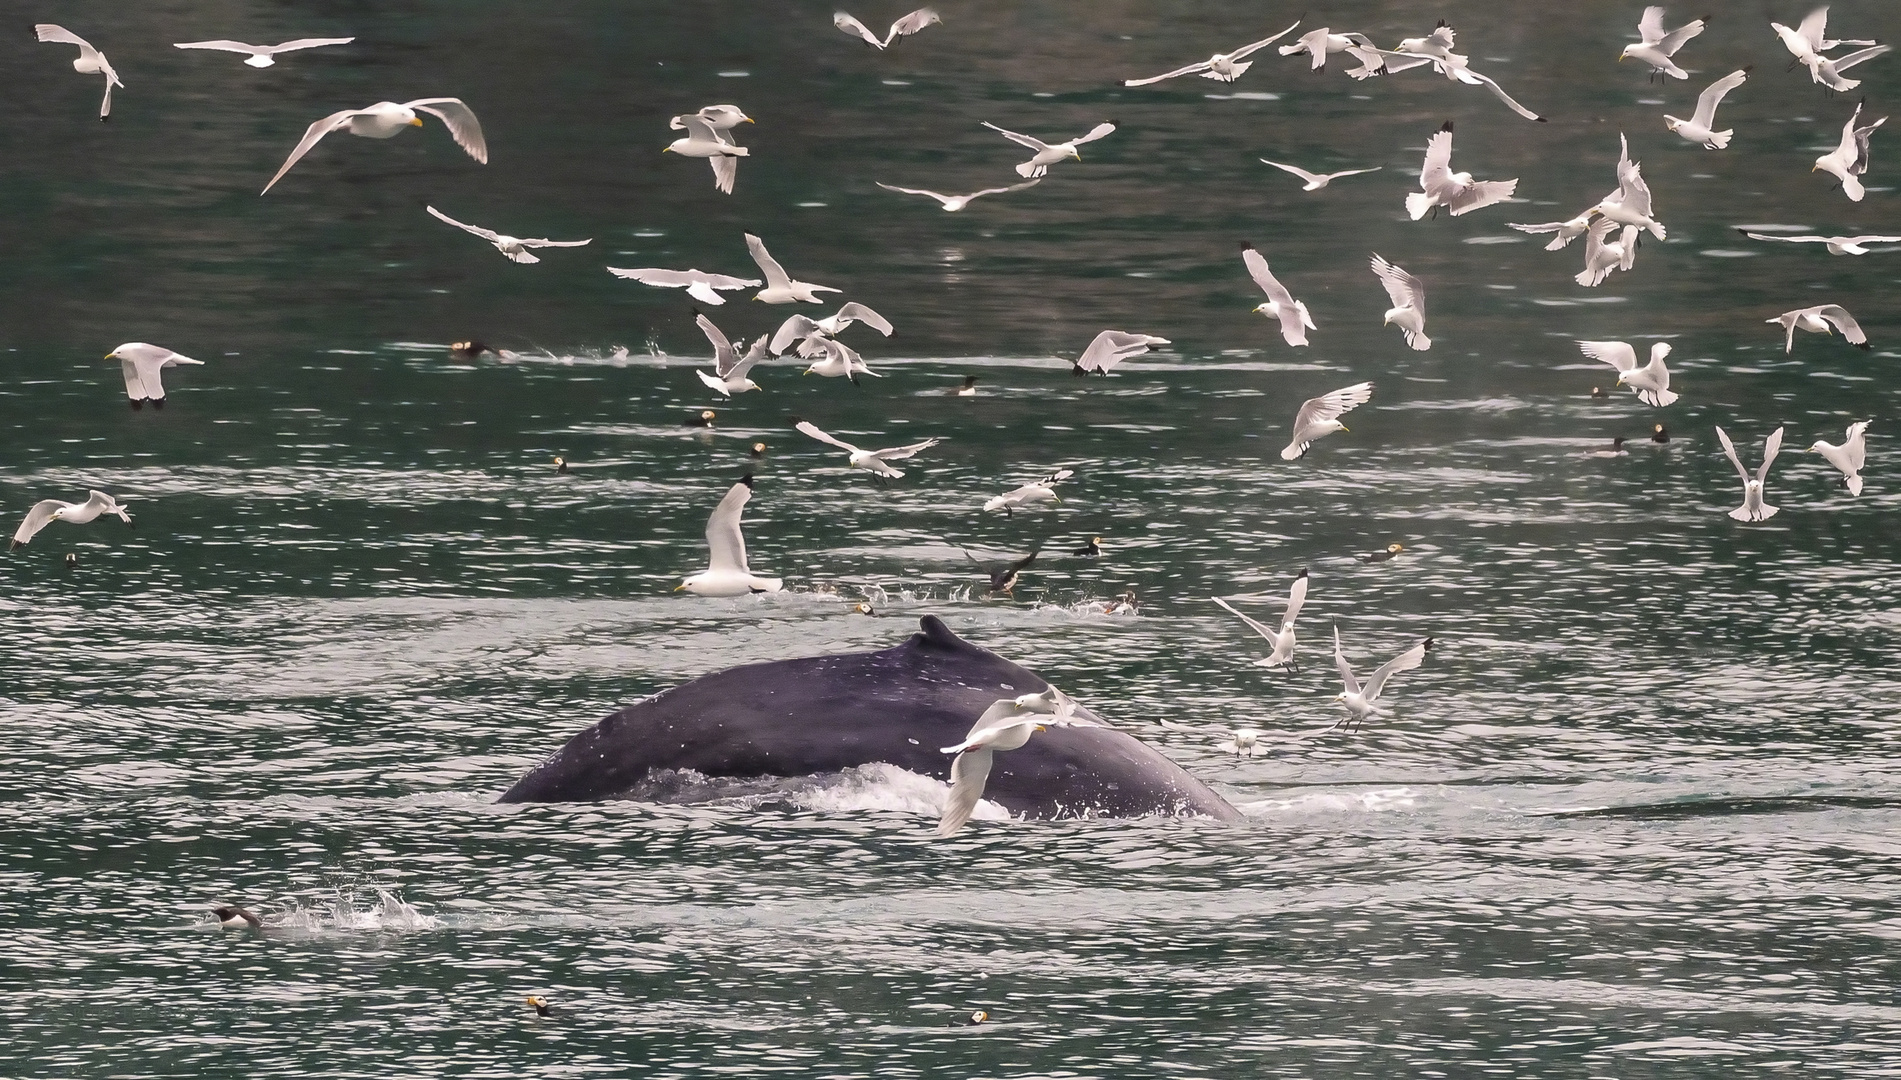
(1447,126)
(1542,119)
(1865,346)
(796,420)
(1747,68)
(1302,574)
(1428,644)
(1247,245)
(747,478)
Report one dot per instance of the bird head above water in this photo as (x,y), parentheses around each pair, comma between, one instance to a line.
(540,1003)
(1660,434)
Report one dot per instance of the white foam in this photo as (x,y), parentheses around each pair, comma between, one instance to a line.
(1378,801)
(879,786)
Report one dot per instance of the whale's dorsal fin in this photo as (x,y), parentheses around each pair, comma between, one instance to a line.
(933,633)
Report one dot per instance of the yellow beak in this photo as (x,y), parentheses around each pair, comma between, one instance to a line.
(677,588)
(1346,429)
(110,355)
(415,121)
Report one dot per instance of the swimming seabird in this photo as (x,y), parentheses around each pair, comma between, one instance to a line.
(954,203)
(469,350)
(1090,550)
(1111,347)
(1697,128)
(236,916)
(1820,319)
(904,27)
(90,61)
(1659,435)
(1320,416)
(876,462)
(515,247)
(387,119)
(72,561)
(726,573)
(1386,554)
(1457,192)
(1616,450)
(699,284)
(969,389)
(262,56)
(1360,702)
(1281,638)
(758,451)
(1293,316)
(1753,508)
(1408,294)
(1047,154)
(541,1006)
(730,369)
(1651,382)
(1849,457)
(1657,47)
(780,288)
(1316,181)
(561,466)
(1221,67)
(1004,578)
(975,1018)
(1849,161)
(1837,245)
(140,364)
(702,419)
(1034,491)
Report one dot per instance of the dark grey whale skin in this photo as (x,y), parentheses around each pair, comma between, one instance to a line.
(824,714)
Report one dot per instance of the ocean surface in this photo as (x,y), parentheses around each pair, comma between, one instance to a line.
(1636,816)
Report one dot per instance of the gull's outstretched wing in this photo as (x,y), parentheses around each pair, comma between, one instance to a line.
(853,311)
(1618,354)
(1404,289)
(899,453)
(809,428)
(1843,63)
(1797,239)
(915,191)
(1296,597)
(1311,178)
(1730,449)
(312,135)
(753,355)
(1405,661)
(1674,40)
(1498,92)
(725,171)
(134,379)
(1246,51)
(487,234)
(1712,96)
(1189,70)
(1260,628)
(1001,190)
(1813,27)
(853,26)
(1101,130)
(461,121)
(1437,171)
(1332,406)
(227,45)
(723,355)
(907,25)
(1770,448)
(308,43)
(1257,269)
(526,242)
(970,770)
(1021,140)
(776,277)
(725,545)
(1111,347)
(36,520)
(1851,330)
(1347,681)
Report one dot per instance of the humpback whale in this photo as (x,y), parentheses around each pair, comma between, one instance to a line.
(899,706)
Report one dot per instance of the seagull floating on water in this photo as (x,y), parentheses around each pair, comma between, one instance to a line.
(904,27)
(140,364)
(515,247)
(1360,702)
(1820,319)
(1837,245)
(47,511)
(1848,162)
(1697,128)
(1408,294)
(1753,508)
(387,119)
(90,62)
(876,462)
(263,56)
(1047,154)
(1657,47)
(954,203)
(1319,417)
(1034,491)
(1316,181)
(1281,305)
(1281,638)
(1221,67)
(1849,457)
(1457,192)
(726,573)
(1652,381)
(729,368)
(1111,347)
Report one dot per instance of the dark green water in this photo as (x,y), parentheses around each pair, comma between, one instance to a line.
(1635,816)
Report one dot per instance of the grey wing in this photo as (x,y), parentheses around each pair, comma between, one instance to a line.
(1101,354)
(649,275)
(36,520)
(725,545)
(1437,169)
(134,383)
(1260,628)
(753,355)
(1482,194)
(723,355)
(553,243)
(1851,330)
(1674,39)
(853,26)
(1845,62)
(1249,50)
(857,312)
(1405,661)
(1712,96)
(1730,449)
(1402,287)
(776,277)
(1813,27)
(1770,448)
(1348,682)
(1511,103)
(1791,239)
(1021,140)
(791,330)
(1332,406)
(312,134)
(310,43)
(1189,70)
(1618,354)
(461,121)
(995,190)
(899,453)
(911,24)
(224,45)
(1263,277)
(970,770)
(1101,130)
(1296,598)
(725,171)
(921,191)
(486,234)
(1297,171)
(1650,26)
(808,428)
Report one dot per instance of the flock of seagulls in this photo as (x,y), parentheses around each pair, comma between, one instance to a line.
(1611,228)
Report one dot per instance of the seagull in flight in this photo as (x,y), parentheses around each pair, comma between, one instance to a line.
(1837,245)
(47,511)
(515,247)
(1006,725)
(799,327)
(1809,41)
(1319,417)
(1047,154)
(387,119)
(1316,181)
(90,62)
(1435,49)
(901,29)
(1281,305)
(1111,347)
(1282,639)
(1651,382)
(954,203)
(263,56)
(140,364)
(1222,67)
(1657,47)
(1034,491)
(1820,319)
(1322,43)
(875,462)
(1408,294)
(780,288)
(726,573)
(1828,71)
(1603,255)
(1697,128)
(1849,457)
(1753,508)
(714,122)
(699,284)
(1849,161)
(1360,702)
(729,368)
(1457,192)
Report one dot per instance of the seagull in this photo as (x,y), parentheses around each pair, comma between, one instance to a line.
(1111,347)
(1360,703)
(50,510)
(387,119)
(263,56)
(1657,47)
(90,62)
(729,368)
(1457,192)
(875,462)
(1004,578)
(718,122)
(1652,381)
(1828,71)
(780,288)
(1630,203)
(1048,154)
(798,327)
(1319,417)
(840,360)
(140,364)
(1568,230)
(1034,491)
(1283,638)
(514,247)
(1603,255)
(1281,305)
(726,573)
(1849,161)
(699,284)
(236,916)
(903,28)
(1435,49)
(1409,302)
(1221,67)
(1817,320)
(1316,181)
(1697,128)
(954,203)
(1753,508)
(1243,742)
(1322,43)
(1385,554)
(1837,245)
(1006,725)
(1808,41)
(1848,457)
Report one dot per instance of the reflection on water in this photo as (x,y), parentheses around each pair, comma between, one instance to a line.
(1632,817)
